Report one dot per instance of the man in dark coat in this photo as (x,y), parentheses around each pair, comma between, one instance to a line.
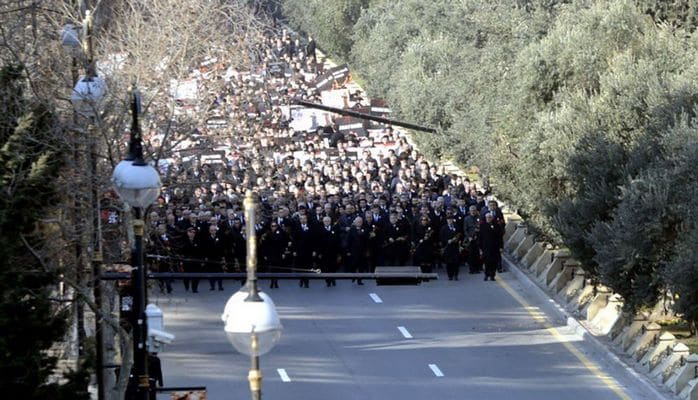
(395,242)
(327,249)
(191,252)
(310,49)
(154,375)
(450,237)
(161,244)
(423,241)
(272,246)
(497,218)
(357,248)
(303,247)
(471,228)
(239,244)
(376,229)
(491,245)
(212,252)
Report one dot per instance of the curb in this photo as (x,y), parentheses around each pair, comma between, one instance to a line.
(583,331)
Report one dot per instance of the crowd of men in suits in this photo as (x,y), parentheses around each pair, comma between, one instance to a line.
(327,200)
(333,235)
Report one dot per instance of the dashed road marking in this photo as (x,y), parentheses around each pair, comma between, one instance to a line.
(435,369)
(376,298)
(404,332)
(283,375)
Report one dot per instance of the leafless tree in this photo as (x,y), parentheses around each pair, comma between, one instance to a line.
(152,44)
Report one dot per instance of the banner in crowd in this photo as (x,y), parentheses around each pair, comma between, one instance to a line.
(351,124)
(326,80)
(335,98)
(184,90)
(305,119)
(379,109)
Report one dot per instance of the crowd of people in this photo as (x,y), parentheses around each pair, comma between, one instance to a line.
(337,200)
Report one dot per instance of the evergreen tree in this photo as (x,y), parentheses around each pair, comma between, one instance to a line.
(582,112)
(30,323)
(330,22)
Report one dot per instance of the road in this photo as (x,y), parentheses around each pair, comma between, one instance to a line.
(460,340)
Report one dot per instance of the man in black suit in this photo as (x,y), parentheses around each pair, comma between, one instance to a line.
(471,229)
(357,249)
(303,247)
(327,249)
(310,49)
(395,241)
(491,245)
(154,375)
(212,251)
(497,218)
(191,252)
(273,249)
(376,229)
(239,244)
(450,237)
(423,240)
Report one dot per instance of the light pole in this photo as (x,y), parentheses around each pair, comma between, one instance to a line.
(251,322)
(138,184)
(86,97)
(89,89)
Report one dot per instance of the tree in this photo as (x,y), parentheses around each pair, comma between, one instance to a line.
(330,22)
(680,155)
(678,13)
(577,110)
(30,322)
(150,43)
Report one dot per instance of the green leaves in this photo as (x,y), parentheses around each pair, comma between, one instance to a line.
(30,160)
(582,112)
(330,22)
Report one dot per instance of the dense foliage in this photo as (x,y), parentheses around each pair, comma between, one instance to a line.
(30,323)
(583,113)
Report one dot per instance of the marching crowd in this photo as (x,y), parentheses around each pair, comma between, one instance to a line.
(328,199)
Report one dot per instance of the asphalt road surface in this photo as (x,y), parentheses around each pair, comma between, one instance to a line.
(460,340)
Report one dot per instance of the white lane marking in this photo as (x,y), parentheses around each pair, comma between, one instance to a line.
(404,332)
(435,369)
(376,298)
(283,375)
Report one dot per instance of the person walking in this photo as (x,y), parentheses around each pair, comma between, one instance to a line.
(272,248)
(303,248)
(450,236)
(471,229)
(327,249)
(212,251)
(357,249)
(423,244)
(191,253)
(395,242)
(498,219)
(491,245)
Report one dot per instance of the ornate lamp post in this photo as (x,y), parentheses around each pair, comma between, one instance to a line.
(251,322)
(89,89)
(138,184)
(86,97)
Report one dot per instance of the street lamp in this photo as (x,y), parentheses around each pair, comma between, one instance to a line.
(251,322)
(138,184)
(87,94)
(88,90)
